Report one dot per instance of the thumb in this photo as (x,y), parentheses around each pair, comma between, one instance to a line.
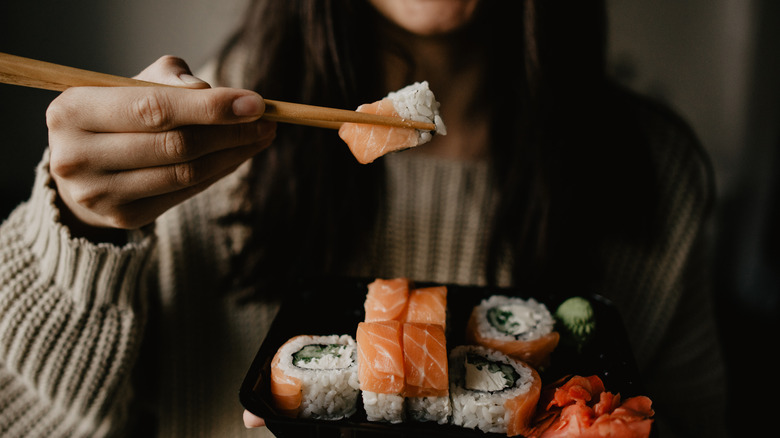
(171,70)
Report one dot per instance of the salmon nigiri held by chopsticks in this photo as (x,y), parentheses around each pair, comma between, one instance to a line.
(413,102)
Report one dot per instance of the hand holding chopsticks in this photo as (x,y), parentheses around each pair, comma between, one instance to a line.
(39,74)
(119,157)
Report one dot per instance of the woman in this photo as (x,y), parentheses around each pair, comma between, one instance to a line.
(142,274)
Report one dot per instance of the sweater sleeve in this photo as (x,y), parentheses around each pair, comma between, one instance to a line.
(662,287)
(687,376)
(71,320)
(684,369)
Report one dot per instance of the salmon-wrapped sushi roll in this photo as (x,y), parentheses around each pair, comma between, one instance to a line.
(387,299)
(381,370)
(428,305)
(491,391)
(522,329)
(316,377)
(427,373)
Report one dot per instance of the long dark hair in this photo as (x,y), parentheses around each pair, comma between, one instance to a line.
(569,166)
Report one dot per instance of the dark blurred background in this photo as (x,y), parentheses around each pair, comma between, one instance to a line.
(717,62)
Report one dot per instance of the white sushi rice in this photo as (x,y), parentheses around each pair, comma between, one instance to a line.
(532,319)
(329,385)
(384,407)
(436,409)
(483,410)
(417,102)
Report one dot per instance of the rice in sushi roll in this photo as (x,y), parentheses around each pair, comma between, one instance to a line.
(316,377)
(491,391)
(522,329)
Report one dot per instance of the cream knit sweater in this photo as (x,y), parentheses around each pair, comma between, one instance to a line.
(143,339)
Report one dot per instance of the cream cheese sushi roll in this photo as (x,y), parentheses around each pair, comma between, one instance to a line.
(316,377)
(522,329)
(491,391)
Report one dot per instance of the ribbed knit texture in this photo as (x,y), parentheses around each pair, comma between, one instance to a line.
(433,223)
(71,316)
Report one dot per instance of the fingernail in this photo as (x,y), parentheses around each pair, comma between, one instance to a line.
(249,105)
(188,79)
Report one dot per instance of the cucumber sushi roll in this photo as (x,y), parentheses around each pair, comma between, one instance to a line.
(316,377)
(491,391)
(522,329)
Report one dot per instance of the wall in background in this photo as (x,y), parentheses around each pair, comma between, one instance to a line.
(714,61)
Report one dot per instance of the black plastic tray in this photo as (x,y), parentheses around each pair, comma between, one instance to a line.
(335,306)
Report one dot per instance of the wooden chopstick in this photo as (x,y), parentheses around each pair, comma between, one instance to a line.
(17,70)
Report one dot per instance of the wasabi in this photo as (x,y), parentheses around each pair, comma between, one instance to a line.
(576,316)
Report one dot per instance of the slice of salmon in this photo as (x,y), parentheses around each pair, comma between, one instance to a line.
(522,408)
(369,142)
(386,299)
(425,360)
(285,390)
(381,357)
(535,352)
(428,305)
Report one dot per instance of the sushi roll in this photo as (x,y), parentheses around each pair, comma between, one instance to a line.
(491,391)
(387,299)
(413,102)
(428,305)
(522,329)
(426,372)
(381,370)
(316,377)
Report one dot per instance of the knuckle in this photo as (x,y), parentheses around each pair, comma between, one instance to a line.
(184,174)
(123,217)
(213,107)
(58,113)
(63,164)
(170,61)
(89,198)
(151,111)
(174,145)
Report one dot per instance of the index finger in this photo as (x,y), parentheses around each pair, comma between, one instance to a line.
(156,109)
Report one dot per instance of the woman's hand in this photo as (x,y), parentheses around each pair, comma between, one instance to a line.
(251,420)
(121,156)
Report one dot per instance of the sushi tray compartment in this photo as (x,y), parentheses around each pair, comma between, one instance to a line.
(335,306)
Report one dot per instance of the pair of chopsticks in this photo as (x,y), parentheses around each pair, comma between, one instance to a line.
(27,72)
